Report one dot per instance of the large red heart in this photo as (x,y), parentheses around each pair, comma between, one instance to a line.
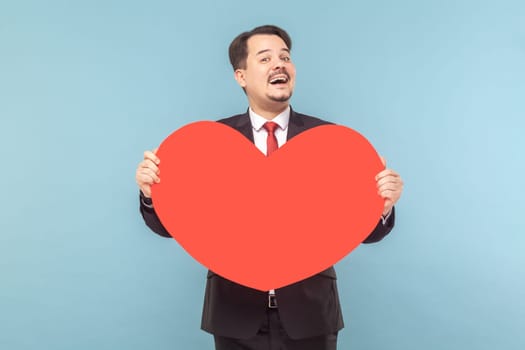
(267,222)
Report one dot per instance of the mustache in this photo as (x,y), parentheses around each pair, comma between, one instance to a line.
(279,72)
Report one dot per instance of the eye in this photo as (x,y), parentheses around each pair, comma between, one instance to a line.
(286,58)
(265,59)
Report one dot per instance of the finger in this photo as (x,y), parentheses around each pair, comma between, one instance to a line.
(386,172)
(386,194)
(149,164)
(151,156)
(389,179)
(144,179)
(391,195)
(150,174)
(390,186)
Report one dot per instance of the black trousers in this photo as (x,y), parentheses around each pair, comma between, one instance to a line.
(272,336)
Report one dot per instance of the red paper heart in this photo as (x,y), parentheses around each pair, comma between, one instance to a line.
(267,222)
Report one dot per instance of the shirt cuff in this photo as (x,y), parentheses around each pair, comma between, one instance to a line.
(384,218)
(147,202)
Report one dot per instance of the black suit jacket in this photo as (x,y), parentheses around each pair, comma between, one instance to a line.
(307,308)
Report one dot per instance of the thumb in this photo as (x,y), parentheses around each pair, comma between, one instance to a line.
(383,160)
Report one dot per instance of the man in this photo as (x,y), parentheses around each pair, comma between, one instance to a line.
(307,314)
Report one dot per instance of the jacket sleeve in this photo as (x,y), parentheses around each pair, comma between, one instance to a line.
(151,219)
(382,229)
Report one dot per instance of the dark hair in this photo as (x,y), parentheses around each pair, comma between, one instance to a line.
(238,50)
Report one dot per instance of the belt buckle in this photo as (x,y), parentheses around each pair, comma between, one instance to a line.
(272,301)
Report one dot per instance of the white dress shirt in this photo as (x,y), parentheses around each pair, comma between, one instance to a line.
(260,134)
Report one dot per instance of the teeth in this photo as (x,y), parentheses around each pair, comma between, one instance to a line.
(278,80)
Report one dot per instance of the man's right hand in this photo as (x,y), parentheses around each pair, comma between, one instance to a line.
(148,172)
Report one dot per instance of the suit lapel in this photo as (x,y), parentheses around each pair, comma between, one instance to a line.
(295,125)
(244,126)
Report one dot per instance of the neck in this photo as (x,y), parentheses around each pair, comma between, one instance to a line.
(269,112)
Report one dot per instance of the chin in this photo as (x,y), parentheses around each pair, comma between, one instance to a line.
(281,98)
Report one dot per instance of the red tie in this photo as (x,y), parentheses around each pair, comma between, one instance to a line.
(271,140)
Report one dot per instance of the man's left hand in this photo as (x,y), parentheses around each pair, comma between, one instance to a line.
(389,187)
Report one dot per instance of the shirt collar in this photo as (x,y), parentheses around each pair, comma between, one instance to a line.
(281,119)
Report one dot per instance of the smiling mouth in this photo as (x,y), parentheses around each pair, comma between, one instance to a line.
(279,79)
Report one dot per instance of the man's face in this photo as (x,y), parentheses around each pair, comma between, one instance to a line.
(269,76)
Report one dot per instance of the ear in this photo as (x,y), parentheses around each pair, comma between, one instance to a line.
(239,76)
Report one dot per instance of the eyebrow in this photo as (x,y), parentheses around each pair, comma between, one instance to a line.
(266,50)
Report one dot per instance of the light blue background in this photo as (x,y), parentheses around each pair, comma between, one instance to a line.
(86,86)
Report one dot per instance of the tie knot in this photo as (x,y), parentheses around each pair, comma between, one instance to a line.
(270,127)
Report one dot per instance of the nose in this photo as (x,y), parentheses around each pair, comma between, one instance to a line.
(278,64)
